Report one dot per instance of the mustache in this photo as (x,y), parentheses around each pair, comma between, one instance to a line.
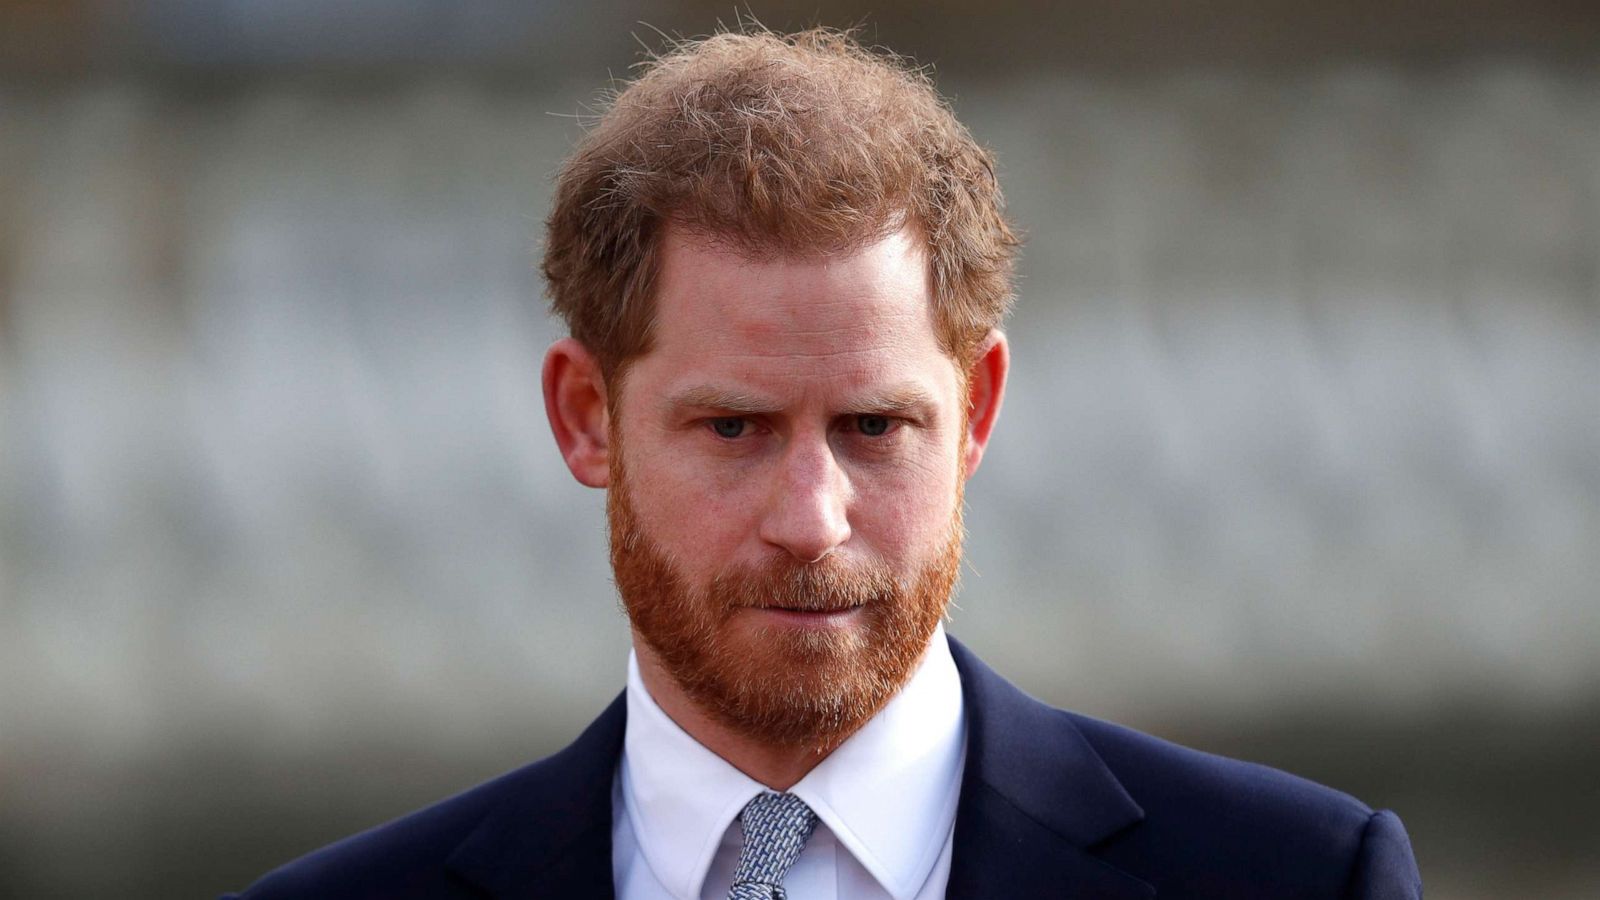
(823,586)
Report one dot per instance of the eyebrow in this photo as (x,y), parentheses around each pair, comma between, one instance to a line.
(898,400)
(708,397)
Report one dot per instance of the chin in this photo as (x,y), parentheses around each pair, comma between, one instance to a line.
(803,686)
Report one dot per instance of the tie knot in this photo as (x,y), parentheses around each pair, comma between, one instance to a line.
(776,827)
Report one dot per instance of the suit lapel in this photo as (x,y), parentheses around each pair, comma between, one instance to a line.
(1035,796)
(551,836)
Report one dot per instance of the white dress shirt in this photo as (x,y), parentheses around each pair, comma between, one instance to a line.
(885,801)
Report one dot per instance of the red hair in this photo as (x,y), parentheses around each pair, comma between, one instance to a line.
(778,144)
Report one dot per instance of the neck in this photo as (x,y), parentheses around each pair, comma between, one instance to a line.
(777,767)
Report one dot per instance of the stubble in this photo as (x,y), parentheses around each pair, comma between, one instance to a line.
(782,686)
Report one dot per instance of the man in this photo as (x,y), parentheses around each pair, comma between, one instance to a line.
(784,265)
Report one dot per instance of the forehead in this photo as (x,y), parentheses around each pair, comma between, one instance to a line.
(857,311)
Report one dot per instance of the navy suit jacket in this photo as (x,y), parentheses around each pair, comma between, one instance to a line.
(1053,804)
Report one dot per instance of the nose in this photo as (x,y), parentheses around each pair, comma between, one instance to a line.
(808,512)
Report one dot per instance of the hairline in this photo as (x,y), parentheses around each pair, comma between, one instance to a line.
(758,248)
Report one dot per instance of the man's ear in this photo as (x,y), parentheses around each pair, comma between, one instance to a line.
(575,402)
(986,388)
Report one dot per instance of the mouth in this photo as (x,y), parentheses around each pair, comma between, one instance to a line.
(809,617)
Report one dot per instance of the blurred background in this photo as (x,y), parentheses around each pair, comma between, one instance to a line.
(1301,460)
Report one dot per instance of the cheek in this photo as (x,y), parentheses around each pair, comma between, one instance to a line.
(906,513)
(691,508)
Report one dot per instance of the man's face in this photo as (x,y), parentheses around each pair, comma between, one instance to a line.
(786,472)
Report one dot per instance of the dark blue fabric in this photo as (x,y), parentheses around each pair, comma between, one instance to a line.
(1053,804)
(1096,810)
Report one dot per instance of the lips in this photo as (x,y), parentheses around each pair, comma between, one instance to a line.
(815,617)
(814,608)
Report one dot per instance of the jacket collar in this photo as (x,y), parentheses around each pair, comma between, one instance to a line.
(553,829)
(1034,796)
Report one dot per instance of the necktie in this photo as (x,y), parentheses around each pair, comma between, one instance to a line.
(776,827)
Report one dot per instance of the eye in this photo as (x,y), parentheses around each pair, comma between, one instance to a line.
(728,426)
(873,426)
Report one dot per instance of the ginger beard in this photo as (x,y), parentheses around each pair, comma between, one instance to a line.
(780,686)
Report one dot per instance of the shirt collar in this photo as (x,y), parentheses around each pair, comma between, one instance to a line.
(888,793)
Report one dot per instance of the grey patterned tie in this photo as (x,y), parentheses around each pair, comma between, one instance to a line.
(776,827)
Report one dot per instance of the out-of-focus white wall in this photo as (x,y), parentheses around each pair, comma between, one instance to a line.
(1305,403)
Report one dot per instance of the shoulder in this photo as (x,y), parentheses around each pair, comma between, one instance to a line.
(1176,780)
(1224,827)
(528,815)
(403,858)
(1185,822)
